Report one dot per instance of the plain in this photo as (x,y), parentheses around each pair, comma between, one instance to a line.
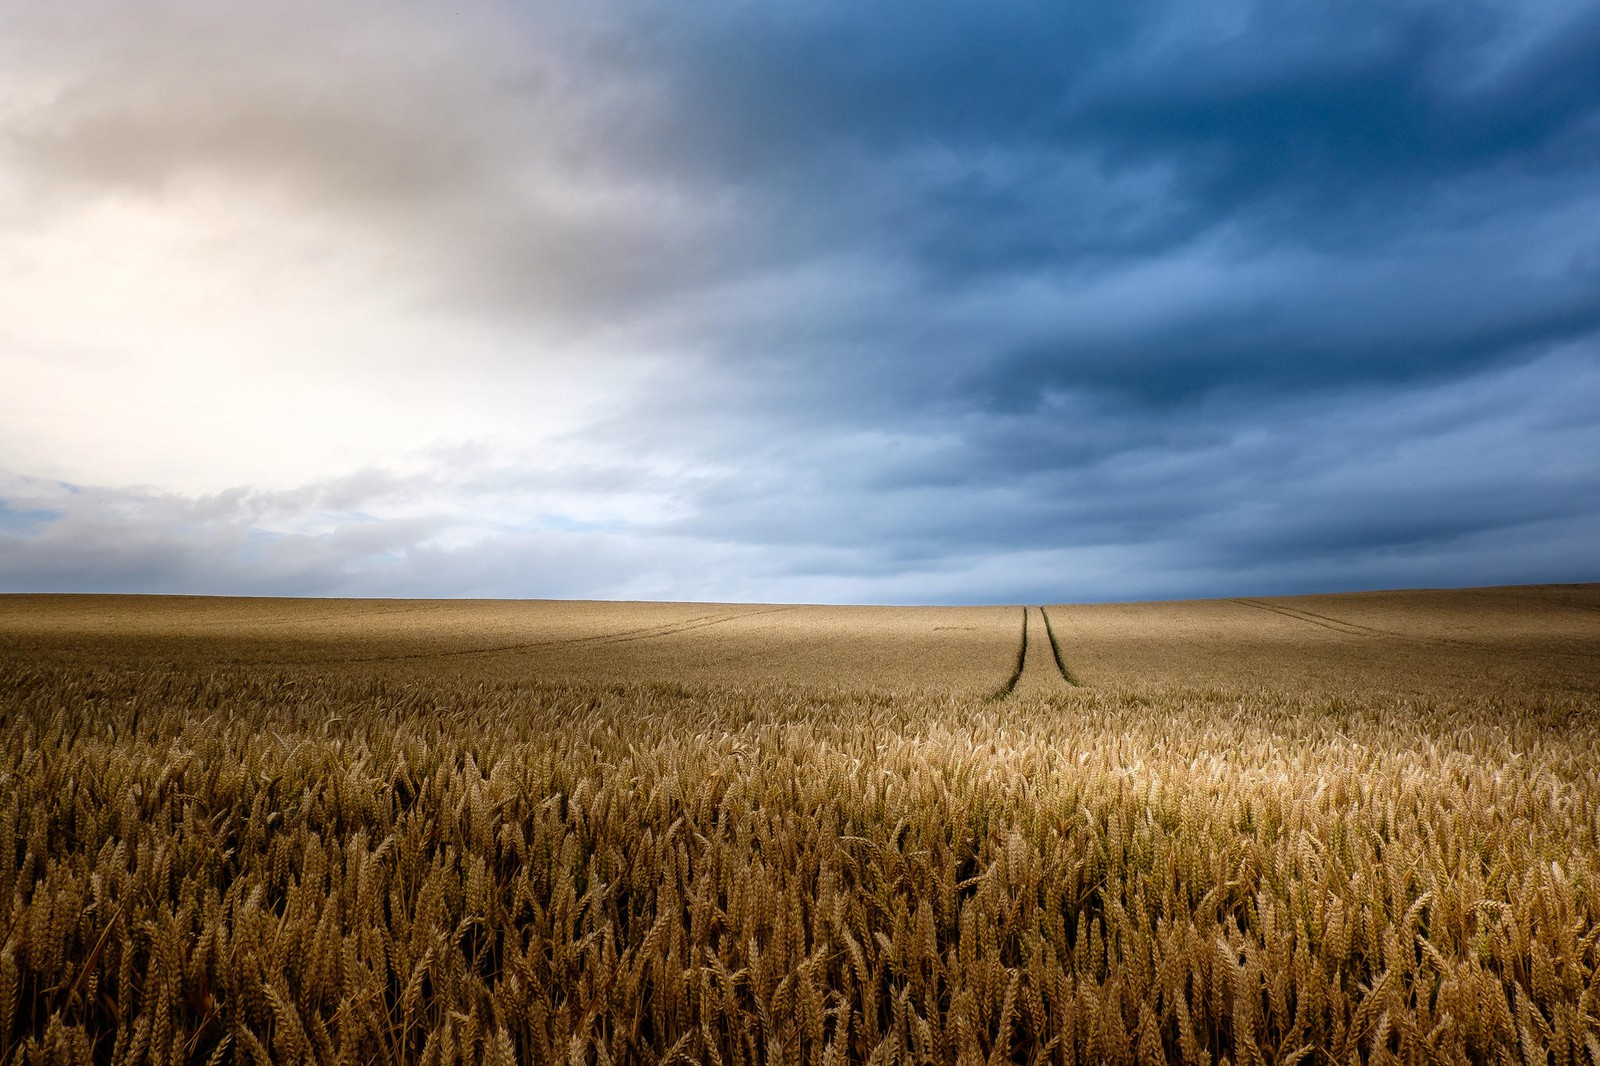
(1346,828)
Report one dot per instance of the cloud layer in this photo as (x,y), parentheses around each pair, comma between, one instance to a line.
(908,303)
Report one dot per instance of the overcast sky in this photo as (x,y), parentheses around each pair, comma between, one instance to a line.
(889,302)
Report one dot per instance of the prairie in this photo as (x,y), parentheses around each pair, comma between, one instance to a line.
(1312,829)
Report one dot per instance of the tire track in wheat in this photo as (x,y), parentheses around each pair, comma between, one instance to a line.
(655,632)
(1055,651)
(1034,673)
(1022,660)
(1355,629)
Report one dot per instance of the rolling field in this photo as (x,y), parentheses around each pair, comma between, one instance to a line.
(1358,828)
(944,649)
(1500,640)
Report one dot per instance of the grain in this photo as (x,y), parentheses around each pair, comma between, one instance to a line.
(287,856)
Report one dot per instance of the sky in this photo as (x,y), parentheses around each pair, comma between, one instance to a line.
(798,302)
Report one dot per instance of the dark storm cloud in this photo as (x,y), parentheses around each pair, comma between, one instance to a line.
(1348,487)
(1369,101)
(1405,201)
(988,301)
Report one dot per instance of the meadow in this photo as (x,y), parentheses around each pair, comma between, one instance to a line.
(1330,829)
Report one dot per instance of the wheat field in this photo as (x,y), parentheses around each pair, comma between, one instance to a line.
(1316,829)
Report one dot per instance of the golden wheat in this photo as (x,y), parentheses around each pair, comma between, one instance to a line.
(291,863)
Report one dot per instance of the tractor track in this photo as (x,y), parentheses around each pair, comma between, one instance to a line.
(1355,629)
(624,636)
(1055,650)
(1030,666)
(1010,686)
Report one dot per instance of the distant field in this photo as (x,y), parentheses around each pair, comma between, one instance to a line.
(949,649)
(1325,829)
(1536,636)
(1509,640)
